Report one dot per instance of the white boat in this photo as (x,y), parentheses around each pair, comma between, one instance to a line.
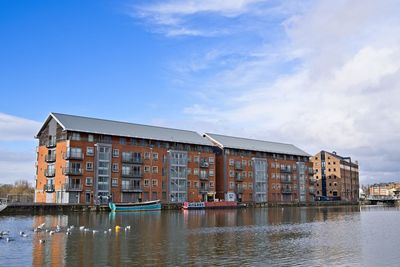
(2,207)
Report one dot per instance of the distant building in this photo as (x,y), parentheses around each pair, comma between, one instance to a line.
(251,170)
(86,160)
(337,177)
(384,189)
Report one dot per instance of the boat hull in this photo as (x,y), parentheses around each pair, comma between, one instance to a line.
(135,206)
(211,205)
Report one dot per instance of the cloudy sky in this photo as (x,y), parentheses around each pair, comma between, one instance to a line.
(318,74)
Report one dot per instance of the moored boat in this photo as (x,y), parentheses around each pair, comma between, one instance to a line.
(212,205)
(138,206)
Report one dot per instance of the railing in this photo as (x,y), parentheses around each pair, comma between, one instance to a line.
(72,171)
(49,188)
(73,155)
(286,169)
(203,176)
(313,180)
(132,160)
(51,143)
(286,190)
(286,180)
(131,188)
(203,189)
(239,190)
(238,165)
(132,174)
(50,157)
(204,164)
(239,177)
(72,187)
(311,190)
(49,172)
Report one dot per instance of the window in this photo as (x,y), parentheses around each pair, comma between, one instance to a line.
(155,169)
(146,155)
(277,165)
(272,165)
(188,184)
(211,160)
(155,156)
(250,163)
(231,173)
(196,184)
(114,182)
(273,186)
(76,136)
(231,162)
(146,168)
(211,172)
(90,151)
(212,184)
(244,174)
(250,174)
(189,171)
(154,183)
(90,138)
(244,162)
(122,140)
(89,181)
(196,171)
(115,153)
(273,176)
(334,169)
(146,182)
(196,159)
(115,167)
(89,166)
(250,185)
(231,185)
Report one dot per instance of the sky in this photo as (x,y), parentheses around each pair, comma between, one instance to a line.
(323,75)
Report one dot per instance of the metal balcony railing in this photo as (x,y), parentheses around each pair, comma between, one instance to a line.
(50,158)
(238,165)
(49,172)
(51,142)
(203,176)
(132,174)
(73,187)
(203,189)
(132,160)
(286,190)
(286,180)
(313,180)
(73,155)
(239,177)
(49,188)
(286,169)
(239,190)
(311,191)
(72,171)
(131,188)
(204,164)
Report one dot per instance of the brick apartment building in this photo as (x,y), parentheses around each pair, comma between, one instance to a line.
(84,160)
(336,177)
(259,171)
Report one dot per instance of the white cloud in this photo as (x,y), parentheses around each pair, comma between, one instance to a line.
(16,128)
(330,79)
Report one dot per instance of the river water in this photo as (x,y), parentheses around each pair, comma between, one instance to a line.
(317,236)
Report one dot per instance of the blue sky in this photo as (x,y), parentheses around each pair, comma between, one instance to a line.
(312,73)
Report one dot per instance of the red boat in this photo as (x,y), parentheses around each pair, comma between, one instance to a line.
(212,205)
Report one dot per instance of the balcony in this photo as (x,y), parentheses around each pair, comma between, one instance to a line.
(239,190)
(72,171)
(131,188)
(131,174)
(73,155)
(203,177)
(286,169)
(238,165)
(73,187)
(50,158)
(313,180)
(49,172)
(132,160)
(49,188)
(51,142)
(286,180)
(286,190)
(239,177)
(312,191)
(204,164)
(203,189)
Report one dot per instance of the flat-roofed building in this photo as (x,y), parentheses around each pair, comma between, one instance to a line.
(251,170)
(85,160)
(337,177)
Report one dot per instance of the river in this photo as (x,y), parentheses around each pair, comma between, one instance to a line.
(315,236)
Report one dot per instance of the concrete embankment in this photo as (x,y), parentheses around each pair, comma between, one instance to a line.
(42,208)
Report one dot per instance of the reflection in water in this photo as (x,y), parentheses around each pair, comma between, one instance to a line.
(273,236)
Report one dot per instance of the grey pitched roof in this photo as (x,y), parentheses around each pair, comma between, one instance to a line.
(117,128)
(256,145)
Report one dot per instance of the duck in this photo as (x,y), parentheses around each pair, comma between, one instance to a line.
(42,241)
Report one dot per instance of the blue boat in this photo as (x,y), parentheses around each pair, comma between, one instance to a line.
(138,206)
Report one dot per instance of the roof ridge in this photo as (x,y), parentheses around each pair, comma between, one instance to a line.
(252,139)
(125,122)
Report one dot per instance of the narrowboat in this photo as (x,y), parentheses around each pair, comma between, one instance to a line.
(138,206)
(212,205)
